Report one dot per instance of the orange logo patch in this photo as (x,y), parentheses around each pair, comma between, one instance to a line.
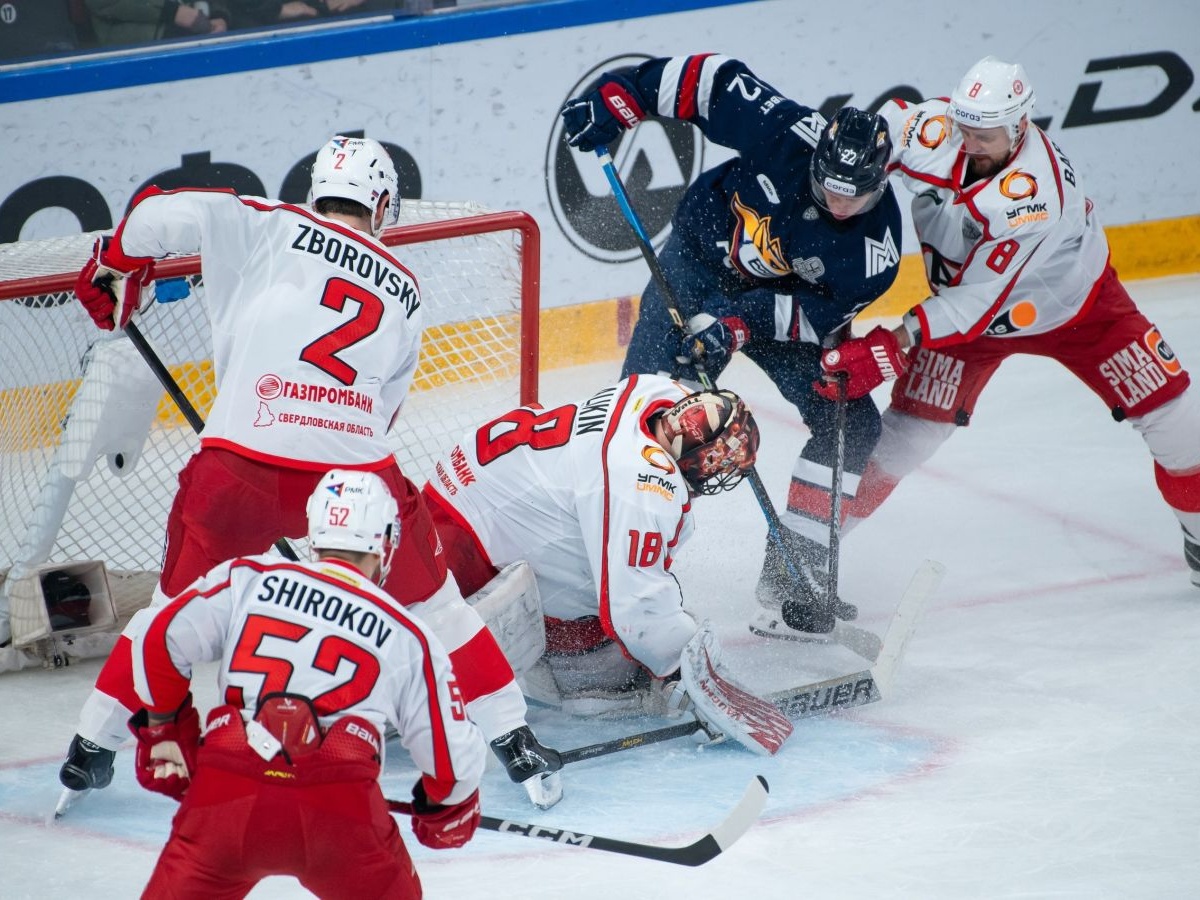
(1162,351)
(658,458)
(932,132)
(1018,185)
(1023,314)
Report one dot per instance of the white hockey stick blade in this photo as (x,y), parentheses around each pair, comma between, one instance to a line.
(859,641)
(920,591)
(868,686)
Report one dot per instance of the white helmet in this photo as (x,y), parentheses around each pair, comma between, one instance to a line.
(992,94)
(357,169)
(352,510)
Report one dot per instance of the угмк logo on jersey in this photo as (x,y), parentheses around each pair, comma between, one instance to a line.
(658,160)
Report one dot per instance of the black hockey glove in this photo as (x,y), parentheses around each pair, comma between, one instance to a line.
(596,118)
(711,343)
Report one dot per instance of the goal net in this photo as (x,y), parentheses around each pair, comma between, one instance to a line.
(89,453)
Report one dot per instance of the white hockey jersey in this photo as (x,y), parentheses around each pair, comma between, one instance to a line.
(1013,255)
(587,496)
(322,630)
(316,326)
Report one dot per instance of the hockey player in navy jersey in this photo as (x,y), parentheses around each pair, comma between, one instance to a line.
(771,253)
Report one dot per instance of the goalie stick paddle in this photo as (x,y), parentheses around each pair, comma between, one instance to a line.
(774,525)
(697,853)
(867,686)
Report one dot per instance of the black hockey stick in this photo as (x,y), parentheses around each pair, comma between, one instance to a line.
(774,525)
(617,745)
(835,489)
(697,853)
(175,392)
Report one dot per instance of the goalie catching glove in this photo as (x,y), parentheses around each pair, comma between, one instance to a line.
(595,119)
(166,752)
(865,363)
(110,284)
(722,705)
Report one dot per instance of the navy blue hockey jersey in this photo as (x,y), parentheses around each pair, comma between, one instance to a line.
(779,264)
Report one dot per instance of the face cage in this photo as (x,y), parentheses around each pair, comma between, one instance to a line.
(699,472)
(717,483)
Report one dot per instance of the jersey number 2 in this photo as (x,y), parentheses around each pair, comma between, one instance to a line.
(322,352)
(249,657)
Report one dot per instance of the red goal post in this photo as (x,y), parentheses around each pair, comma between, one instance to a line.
(90,448)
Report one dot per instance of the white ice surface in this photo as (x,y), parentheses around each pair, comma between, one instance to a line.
(1042,738)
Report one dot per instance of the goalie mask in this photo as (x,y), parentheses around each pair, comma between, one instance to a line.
(993,94)
(714,439)
(361,170)
(355,511)
(848,172)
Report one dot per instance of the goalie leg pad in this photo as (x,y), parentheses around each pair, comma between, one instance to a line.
(724,705)
(511,608)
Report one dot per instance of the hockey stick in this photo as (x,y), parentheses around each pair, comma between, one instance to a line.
(774,525)
(670,732)
(820,697)
(697,853)
(835,489)
(869,685)
(175,392)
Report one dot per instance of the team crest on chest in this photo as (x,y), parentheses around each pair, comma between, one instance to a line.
(753,250)
(810,269)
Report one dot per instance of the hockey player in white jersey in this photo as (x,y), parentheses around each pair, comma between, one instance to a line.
(1017,262)
(316,333)
(315,660)
(596,497)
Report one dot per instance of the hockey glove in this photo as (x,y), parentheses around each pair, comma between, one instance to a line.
(711,342)
(595,119)
(443,827)
(866,362)
(166,753)
(110,284)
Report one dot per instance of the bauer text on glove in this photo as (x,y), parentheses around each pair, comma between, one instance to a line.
(597,117)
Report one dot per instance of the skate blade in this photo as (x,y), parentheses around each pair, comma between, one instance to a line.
(544,790)
(67,799)
(777,629)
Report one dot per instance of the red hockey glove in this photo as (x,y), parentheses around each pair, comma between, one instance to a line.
(867,363)
(166,753)
(595,119)
(110,284)
(443,827)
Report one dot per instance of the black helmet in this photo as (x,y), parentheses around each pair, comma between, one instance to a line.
(714,438)
(851,159)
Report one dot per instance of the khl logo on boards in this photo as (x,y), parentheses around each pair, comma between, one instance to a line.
(657,161)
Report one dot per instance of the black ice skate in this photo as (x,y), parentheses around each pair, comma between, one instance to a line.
(531,764)
(1191,553)
(796,609)
(88,766)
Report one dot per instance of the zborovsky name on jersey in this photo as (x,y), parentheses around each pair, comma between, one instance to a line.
(357,259)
